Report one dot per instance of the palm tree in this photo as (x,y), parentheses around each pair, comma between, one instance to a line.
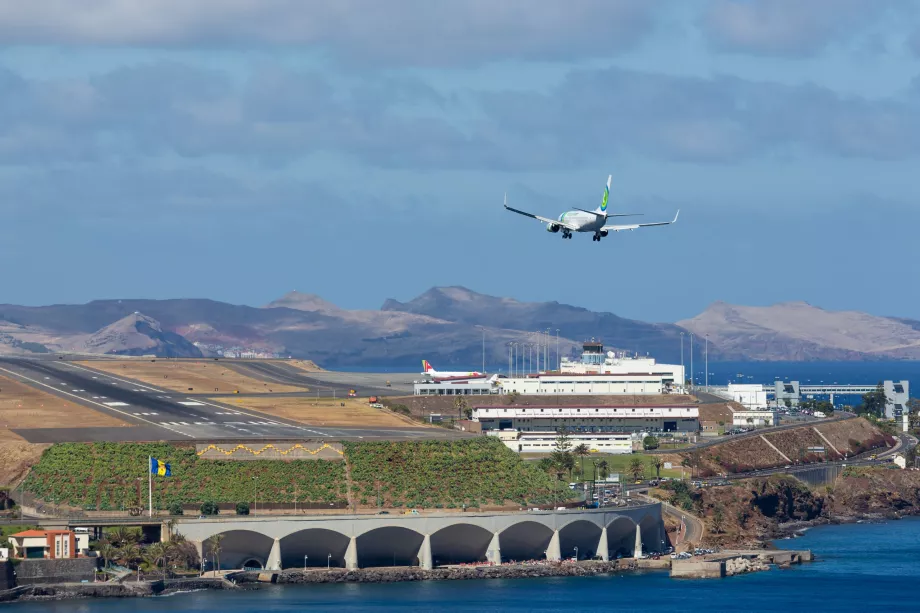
(657,462)
(460,405)
(603,469)
(156,552)
(122,536)
(129,554)
(215,547)
(107,551)
(581,451)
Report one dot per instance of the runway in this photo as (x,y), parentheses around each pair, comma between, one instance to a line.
(168,415)
(364,384)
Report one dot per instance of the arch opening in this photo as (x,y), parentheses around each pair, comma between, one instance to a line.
(526,540)
(652,535)
(581,534)
(253,563)
(460,544)
(237,547)
(621,537)
(389,546)
(314,548)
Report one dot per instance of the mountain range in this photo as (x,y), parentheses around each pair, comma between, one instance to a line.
(445,325)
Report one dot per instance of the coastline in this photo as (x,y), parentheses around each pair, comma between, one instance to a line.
(256,580)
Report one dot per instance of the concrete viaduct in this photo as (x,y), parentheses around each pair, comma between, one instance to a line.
(361,541)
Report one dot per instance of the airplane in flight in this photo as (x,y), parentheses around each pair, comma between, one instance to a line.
(582,220)
(429,371)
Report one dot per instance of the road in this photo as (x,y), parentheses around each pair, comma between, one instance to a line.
(838,416)
(168,415)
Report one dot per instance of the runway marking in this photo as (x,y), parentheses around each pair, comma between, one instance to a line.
(191,404)
(152,423)
(134,383)
(146,413)
(116,404)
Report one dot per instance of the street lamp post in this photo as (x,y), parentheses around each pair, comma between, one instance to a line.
(305,563)
(576,553)
(684,374)
(558,359)
(255,490)
(707,362)
(328,561)
(692,381)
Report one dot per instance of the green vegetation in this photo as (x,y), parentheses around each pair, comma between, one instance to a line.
(432,474)
(242,508)
(650,442)
(818,405)
(873,403)
(113,476)
(6,531)
(620,463)
(209,507)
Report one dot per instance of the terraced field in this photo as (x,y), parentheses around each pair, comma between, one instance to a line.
(433,474)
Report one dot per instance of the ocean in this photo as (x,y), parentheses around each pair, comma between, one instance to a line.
(860,566)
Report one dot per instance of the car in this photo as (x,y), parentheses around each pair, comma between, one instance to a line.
(787,466)
(383,512)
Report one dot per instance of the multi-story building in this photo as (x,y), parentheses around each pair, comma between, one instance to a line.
(588,418)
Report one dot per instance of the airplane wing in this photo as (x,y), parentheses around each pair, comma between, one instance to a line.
(615,228)
(608,214)
(556,222)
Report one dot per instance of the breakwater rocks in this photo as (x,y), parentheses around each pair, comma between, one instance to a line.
(454,573)
(741,566)
(111,589)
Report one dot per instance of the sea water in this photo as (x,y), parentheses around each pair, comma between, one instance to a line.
(869,566)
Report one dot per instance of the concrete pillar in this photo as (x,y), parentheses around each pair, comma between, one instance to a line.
(602,551)
(424,554)
(274,557)
(637,552)
(494,552)
(351,554)
(553,553)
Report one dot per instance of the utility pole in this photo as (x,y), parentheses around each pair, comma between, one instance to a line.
(691,361)
(683,372)
(509,360)
(483,350)
(558,359)
(707,362)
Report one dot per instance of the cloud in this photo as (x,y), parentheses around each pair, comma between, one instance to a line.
(708,120)
(277,116)
(418,32)
(786,27)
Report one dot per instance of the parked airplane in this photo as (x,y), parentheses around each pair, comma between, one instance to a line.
(582,220)
(436,374)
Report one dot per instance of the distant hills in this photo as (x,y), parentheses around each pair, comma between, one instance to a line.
(443,325)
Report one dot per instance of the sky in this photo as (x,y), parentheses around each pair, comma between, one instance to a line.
(360,150)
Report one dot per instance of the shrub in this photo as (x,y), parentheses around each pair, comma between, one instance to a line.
(175,508)
(209,508)
(242,508)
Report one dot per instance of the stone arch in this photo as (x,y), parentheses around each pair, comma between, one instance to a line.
(460,543)
(314,547)
(652,534)
(389,546)
(525,540)
(621,537)
(583,534)
(237,547)
(253,563)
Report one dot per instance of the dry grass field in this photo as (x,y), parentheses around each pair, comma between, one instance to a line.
(305,365)
(323,411)
(179,376)
(22,406)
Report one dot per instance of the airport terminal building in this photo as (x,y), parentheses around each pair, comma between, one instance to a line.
(586,384)
(677,418)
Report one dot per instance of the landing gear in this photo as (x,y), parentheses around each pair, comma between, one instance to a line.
(596,237)
(566,234)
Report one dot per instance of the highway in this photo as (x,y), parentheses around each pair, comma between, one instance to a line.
(168,415)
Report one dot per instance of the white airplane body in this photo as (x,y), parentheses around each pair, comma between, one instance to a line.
(581,220)
(429,371)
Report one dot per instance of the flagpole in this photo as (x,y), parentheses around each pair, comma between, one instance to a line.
(150,485)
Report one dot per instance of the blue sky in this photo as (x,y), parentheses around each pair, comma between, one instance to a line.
(239,149)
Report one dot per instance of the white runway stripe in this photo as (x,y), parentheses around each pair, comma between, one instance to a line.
(115,404)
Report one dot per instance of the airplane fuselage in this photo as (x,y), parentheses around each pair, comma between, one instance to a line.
(585,222)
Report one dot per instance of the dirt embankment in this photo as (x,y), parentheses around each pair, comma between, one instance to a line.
(754,511)
(789,447)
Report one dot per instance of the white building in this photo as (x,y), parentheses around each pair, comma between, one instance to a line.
(586,384)
(746,419)
(595,361)
(586,418)
(752,397)
(545,442)
(457,387)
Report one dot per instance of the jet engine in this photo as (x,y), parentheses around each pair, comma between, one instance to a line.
(603,233)
(551,227)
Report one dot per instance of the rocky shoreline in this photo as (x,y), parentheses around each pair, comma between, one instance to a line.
(255,580)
